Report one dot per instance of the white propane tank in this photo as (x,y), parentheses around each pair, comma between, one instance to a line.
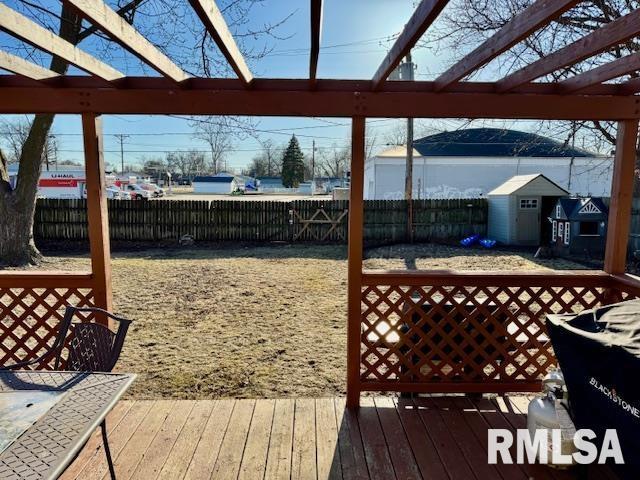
(549,412)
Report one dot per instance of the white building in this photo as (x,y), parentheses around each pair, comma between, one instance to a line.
(216,185)
(470,163)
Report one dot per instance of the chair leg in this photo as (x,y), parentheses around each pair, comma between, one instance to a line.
(107,451)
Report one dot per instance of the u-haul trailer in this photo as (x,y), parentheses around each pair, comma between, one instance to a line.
(65,184)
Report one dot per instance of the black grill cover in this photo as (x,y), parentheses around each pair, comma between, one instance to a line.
(599,354)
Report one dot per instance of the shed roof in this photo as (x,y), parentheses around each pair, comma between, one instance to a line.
(518,182)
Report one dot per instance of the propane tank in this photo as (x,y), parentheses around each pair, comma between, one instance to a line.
(549,411)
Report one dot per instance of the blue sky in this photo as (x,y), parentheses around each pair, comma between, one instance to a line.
(356,37)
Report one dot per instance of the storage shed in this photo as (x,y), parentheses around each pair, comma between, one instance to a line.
(219,184)
(516,209)
(579,226)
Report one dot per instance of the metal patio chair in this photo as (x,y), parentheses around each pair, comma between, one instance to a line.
(90,347)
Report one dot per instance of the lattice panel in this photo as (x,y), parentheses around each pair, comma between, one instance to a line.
(463,334)
(29,319)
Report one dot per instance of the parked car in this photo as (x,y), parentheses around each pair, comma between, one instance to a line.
(154,189)
(114,193)
(138,193)
(125,195)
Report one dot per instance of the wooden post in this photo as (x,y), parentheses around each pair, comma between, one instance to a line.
(354,278)
(98,218)
(615,260)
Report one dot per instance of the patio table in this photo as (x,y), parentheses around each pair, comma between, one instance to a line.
(51,415)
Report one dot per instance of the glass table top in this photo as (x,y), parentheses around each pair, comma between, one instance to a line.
(21,409)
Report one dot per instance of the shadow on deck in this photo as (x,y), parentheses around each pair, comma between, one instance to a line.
(434,438)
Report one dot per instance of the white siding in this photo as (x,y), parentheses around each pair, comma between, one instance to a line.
(499,218)
(462,177)
(213,187)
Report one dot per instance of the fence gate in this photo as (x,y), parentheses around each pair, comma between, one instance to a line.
(315,221)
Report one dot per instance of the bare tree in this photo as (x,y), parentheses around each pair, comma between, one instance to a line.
(334,161)
(267,163)
(258,167)
(172,26)
(218,136)
(272,155)
(469,22)
(189,164)
(15,134)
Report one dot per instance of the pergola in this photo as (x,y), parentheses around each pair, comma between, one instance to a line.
(483,331)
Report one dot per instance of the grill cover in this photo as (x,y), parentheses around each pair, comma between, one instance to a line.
(599,354)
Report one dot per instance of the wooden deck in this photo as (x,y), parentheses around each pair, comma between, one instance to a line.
(389,438)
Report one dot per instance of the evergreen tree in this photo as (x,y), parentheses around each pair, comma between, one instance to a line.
(292,164)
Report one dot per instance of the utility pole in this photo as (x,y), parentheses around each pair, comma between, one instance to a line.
(121,137)
(313,163)
(408,181)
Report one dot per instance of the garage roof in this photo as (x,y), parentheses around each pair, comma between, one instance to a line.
(205,179)
(493,142)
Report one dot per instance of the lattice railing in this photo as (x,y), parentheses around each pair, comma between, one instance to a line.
(32,307)
(440,331)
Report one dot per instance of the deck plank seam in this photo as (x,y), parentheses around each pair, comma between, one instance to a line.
(116,454)
(433,440)
(146,449)
(133,475)
(99,447)
(217,404)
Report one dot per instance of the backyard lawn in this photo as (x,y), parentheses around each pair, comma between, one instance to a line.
(254,322)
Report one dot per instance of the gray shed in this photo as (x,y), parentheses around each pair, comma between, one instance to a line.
(517,207)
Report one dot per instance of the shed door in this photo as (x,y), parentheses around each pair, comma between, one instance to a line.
(528,220)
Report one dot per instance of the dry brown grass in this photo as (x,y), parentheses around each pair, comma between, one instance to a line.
(259,322)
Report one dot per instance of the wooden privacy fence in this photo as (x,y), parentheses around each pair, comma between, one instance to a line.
(256,220)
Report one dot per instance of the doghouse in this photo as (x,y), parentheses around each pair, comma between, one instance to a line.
(579,226)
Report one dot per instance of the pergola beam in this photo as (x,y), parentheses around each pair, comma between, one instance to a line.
(25,68)
(316,35)
(617,68)
(613,33)
(329,85)
(217,27)
(296,98)
(521,26)
(615,259)
(21,27)
(97,213)
(424,15)
(355,254)
(630,87)
(99,13)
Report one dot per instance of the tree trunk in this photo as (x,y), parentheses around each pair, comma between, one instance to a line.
(16,233)
(17,207)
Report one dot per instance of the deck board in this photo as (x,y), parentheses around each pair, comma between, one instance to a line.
(183,450)
(435,438)
(152,462)
(232,448)
(449,451)
(281,441)
(303,457)
(206,454)
(254,460)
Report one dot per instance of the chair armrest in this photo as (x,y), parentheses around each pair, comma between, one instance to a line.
(40,359)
